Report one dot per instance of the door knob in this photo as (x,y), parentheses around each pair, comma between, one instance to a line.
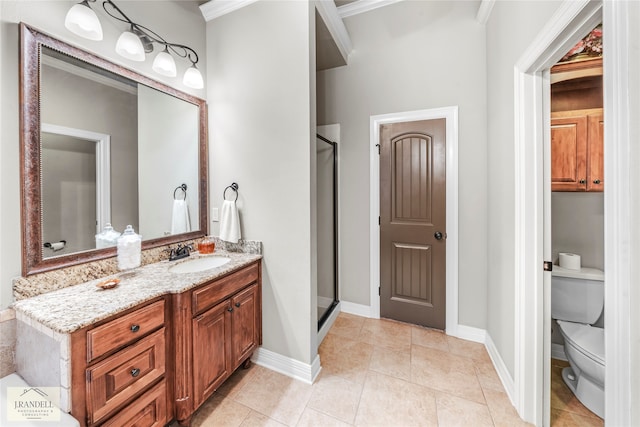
(438,235)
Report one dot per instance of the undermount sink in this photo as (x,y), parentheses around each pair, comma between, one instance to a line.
(199,264)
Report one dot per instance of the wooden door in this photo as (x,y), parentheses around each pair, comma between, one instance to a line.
(211,350)
(244,324)
(595,167)
(569,153)
(413,222)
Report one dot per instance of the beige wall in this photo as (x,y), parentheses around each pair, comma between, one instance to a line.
(511,28)
(411,56)
(261,118)
(179,21)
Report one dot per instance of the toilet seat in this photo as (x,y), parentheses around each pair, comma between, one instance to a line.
(586,339)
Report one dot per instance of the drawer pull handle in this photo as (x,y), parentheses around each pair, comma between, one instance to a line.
(135,328)
(135,372)
(238,304)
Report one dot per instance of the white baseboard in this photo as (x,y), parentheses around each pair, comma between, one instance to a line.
(501,368)
(287,366)
(357,309)
(557,352)
(468,333)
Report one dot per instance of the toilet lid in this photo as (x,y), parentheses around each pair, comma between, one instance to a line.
(585,338)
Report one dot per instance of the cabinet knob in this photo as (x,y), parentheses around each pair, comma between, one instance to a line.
(135,328)
(596,181)
(230,309)
(238,304)
(135,372)
(583,181)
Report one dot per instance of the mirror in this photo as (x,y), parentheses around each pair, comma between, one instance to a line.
(101,144)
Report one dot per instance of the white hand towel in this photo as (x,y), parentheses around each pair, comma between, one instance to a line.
(180,217)
(229,222)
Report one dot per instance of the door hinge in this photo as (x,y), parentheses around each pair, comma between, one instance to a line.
(378,290)
(547,266)
(378,220)
(378,145)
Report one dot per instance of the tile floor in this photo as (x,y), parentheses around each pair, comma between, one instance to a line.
(374,373)
(566,409)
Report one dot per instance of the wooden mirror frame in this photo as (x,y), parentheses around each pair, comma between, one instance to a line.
(31,41)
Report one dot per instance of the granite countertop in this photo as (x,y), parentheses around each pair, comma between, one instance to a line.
(72,308)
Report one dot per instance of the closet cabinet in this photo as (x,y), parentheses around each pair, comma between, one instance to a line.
(218,326)
(577,150)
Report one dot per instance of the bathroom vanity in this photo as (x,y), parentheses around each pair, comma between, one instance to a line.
(150,350)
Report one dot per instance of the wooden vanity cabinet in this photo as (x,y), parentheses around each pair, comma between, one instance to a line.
(218,326)
(120,369)
(577,150)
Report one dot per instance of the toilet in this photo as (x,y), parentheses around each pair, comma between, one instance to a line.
(577,301)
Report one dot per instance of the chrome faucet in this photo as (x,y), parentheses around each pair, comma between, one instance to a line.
(180,251)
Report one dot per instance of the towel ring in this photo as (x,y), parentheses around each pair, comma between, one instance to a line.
(182,187)
(234,187)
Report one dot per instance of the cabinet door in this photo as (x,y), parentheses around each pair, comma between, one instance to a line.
(569,154)
(595,166)
(211,350)
(244,324)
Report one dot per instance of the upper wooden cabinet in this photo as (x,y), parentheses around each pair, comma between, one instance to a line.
(577,150)
(577,126)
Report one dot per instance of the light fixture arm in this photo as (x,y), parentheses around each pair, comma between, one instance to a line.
(149,36)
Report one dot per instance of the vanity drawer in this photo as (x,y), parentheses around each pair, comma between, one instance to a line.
(211,294)
(124,330)
(149,410)
(117,379)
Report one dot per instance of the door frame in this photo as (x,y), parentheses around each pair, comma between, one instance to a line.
(532,191)
(103,167)
(451,116)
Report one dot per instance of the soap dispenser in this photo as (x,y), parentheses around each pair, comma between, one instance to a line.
(107,238)
(129,249)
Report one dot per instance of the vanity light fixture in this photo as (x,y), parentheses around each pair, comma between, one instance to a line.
(83,21)
(135,42)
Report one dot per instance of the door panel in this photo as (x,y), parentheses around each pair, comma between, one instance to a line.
(595,176)
(412,210)
(568,153)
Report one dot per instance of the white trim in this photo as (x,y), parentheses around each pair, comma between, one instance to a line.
(361,6)
(216,8)
(469,333)
(572,20)
(484,11)
(329,14)
(501,368)
(557,351)
(103,167)
(451,116)
(357,309)
(287,366)
(621,220)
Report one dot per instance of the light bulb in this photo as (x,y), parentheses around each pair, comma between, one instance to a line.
(129,46)
(164,64)
(83,21)
(193,78)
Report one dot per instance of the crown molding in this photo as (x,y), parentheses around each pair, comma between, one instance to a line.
(217,8)
(484,11)
(362,6)
(329,14)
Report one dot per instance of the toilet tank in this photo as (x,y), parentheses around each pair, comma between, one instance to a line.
(577,295)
